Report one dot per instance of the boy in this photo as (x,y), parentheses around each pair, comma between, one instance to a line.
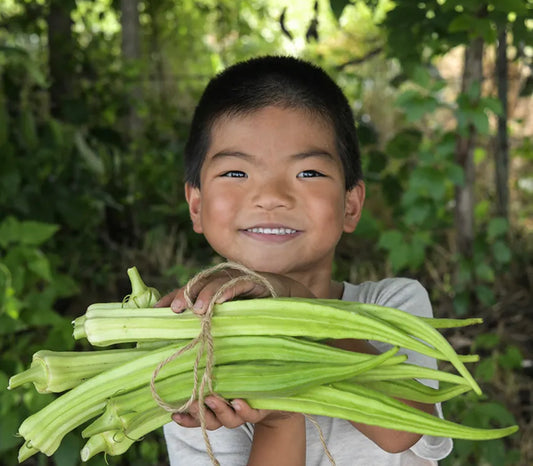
(273,179)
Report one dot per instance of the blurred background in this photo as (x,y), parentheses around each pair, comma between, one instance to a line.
(95,103)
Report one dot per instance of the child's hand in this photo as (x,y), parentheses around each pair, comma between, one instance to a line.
(204,290)
(220,412)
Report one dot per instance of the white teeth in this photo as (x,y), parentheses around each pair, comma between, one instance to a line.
(272,231)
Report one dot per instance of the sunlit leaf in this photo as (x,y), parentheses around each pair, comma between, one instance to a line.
(93,161)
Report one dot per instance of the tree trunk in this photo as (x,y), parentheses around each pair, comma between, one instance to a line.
(61,62)
(501,155)
(153,8)
(129,20)
(464,195)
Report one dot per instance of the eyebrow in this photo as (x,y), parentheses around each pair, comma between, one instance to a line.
(298,156)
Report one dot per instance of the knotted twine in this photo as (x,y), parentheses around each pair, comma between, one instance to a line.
(205,344)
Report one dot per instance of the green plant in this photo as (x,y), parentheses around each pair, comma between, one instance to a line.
(29,287)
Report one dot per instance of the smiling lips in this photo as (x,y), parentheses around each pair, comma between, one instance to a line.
(272,231)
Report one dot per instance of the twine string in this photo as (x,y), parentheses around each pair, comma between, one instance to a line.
(205,343)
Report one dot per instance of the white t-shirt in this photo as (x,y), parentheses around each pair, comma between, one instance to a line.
(347,445)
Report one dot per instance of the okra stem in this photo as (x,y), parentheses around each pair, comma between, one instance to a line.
(370,407)
(57,371)
(267,378)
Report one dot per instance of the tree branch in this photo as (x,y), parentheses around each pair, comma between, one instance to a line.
(359,60)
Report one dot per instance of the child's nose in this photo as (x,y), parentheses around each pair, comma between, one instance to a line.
(272,194)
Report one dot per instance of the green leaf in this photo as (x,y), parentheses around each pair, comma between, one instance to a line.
(497,412)
(461,303)
(493,451)
(377,162)
(29,232)
(8,430)
(486,341)
(391,239)
(28,130)
(497,228)
(480,121)
(492,104)
(368,226)
(485,295)
(455,174)
(68,452)
(398,254)
(93,161)
(485,370)
(501,252)
(9,231)
(464,272)
(428,181)
(399,258)
(482,210)
(461,23)
(417,251)
(36,233)
(416,105)
(40,266)
(421,76)
(512,358)
(392,189)
(404,143)
(511,6)
(480,154)
(417,214)
(485,272)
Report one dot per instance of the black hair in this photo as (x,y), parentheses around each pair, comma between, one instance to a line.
(279,81)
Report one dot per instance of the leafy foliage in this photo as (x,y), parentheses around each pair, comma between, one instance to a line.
(82,197)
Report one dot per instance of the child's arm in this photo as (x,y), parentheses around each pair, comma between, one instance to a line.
(392,441)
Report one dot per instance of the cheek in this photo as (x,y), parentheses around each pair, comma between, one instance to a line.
(219,209)
(329,206)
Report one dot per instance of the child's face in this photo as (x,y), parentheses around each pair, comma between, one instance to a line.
(272,193)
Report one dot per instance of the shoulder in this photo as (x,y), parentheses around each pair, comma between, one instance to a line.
(401,293)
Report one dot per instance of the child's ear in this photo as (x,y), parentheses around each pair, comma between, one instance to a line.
(353,206)
(194,199)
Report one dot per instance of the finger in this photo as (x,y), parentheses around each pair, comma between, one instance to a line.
(247,413)
(166,300)
(185,420)
(179,304)
(210,419)
(245,288)
(224,412)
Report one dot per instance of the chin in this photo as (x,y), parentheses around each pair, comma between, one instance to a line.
(261,265)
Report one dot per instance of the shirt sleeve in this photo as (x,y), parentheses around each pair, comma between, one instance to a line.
(410,296)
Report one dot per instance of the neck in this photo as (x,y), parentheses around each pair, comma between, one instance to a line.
(321,286)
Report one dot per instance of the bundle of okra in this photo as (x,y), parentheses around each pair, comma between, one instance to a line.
(271,352)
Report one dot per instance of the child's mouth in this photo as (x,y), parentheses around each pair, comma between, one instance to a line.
(272,231)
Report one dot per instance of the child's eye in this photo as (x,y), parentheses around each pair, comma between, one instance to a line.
(309,174)
(234,174)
